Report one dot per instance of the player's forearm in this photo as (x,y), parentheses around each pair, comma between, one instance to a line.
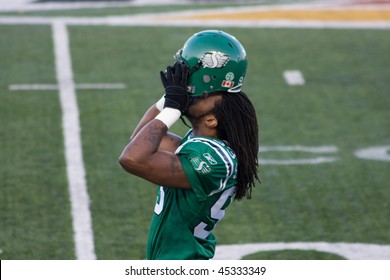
(150,114)
(144,145)
(170,141)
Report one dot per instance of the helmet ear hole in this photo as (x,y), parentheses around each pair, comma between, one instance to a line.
(214,77)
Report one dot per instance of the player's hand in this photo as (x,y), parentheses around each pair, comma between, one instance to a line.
(175,81)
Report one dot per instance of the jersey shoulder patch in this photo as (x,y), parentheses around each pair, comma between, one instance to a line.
(209,164)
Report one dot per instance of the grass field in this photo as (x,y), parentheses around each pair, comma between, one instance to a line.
(344,104)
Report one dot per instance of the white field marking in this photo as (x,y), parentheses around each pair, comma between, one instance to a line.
(336,5)
(350,251)
(294,77)
(317,160)
(101,86)
(81,216)
(374,153)
(22,87)
(316,150)
(319,149)
(162,20)
(33,87)
(24,6)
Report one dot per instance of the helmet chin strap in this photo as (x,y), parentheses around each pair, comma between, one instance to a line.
(196,67)
(191,89)
(184,122)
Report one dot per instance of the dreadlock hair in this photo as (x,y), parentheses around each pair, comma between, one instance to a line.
(237,124)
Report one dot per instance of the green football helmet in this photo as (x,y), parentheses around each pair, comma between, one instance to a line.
(217,62)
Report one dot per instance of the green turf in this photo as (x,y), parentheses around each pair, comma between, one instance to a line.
(35,218)
(343,104)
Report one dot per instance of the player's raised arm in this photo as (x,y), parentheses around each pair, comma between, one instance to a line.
(170,141)
(142,156)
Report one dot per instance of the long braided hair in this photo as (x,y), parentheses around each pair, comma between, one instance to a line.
(237,124)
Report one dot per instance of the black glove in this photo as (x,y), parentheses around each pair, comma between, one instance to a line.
(175,84)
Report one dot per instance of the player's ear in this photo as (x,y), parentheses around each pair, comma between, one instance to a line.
(210,121)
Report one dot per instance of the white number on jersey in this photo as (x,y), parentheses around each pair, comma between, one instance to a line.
(216,213)
(159,202)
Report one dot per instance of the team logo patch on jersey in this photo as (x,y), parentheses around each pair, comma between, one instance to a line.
(210,159)
(214,60)
(200,166)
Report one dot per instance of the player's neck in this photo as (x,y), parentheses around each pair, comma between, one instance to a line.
(205,132)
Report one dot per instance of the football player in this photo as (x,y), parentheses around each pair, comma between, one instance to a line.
(214,163)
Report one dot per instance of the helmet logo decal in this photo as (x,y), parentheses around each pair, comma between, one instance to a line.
(229,76)
(228,82)
(214,60)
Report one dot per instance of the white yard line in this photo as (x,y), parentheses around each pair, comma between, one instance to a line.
(81,216)
(33,87)
(294,77)
(28,87)
(101,86)
(375,153)
(31,5)
(315,150)
(305,161)
(163,20)
(319,149)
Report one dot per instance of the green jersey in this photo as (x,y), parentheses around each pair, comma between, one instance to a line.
(183,219)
